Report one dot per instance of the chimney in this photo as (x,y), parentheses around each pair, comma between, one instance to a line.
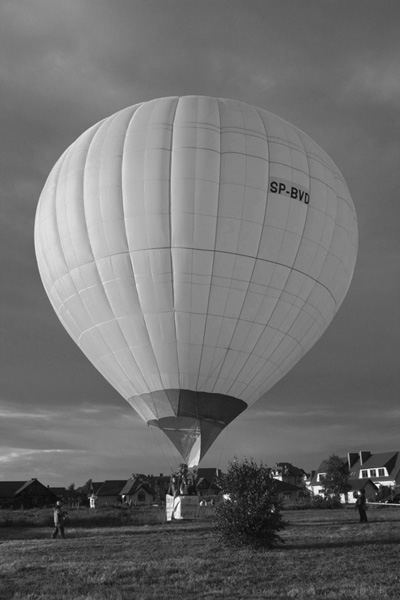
(364,455)
(352,458)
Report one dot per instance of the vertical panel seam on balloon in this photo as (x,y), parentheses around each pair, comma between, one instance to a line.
(61,245)
(171,254)
(266,207)
(215,240)
(258,249)
(281,292)
(109,122)
(130,125)
(116,320)
(216,372)
(298,248)
(98,360)
(326,166)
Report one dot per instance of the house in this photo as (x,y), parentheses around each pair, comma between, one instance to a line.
(382,468)
(138,490)
(107,493)
(160,486)
(356,486)
(93,488)
(284,471)
(366,468)
(288,492)
(207,481)
(25,494)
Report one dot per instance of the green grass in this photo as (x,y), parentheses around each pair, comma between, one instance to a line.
(327,554)
(111,516)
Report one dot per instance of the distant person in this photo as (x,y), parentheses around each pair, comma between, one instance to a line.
(59,519)
(361,506)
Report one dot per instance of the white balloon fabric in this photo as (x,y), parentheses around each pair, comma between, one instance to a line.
(195,249)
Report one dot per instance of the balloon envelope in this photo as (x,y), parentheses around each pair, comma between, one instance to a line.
(195,249)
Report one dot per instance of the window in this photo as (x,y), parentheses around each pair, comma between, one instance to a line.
(321,476)
(381,472)
(141,497)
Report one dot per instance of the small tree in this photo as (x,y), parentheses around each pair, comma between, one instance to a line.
(336,479)
(250,513)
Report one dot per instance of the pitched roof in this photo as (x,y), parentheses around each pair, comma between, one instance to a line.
(95,486)
(207,478)
(11,489)
(8,489)
(111,487)
(134,484)
(290,469)
(360,484)
(284,486)
(382,459)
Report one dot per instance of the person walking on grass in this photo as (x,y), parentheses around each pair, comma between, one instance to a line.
(361,506)
(59,519)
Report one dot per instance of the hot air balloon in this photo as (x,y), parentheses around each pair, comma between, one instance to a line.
(195,249)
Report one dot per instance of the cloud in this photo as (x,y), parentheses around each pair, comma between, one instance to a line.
(8,413)
(14,455)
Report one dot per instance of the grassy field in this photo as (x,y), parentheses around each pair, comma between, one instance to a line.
(327,554)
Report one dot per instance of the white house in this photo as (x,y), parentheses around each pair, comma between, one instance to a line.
(107,493)
(367,471)
(137,491)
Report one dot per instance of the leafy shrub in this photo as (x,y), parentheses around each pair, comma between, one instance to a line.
(321,502)
(251,513)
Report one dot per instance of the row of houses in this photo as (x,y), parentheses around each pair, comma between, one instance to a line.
(138,490)
(368,471)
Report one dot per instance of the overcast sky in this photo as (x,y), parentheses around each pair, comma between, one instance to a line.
(332,68)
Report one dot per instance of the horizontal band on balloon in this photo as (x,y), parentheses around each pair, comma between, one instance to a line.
(193,404)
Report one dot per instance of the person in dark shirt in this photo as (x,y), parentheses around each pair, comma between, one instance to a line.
(361,507)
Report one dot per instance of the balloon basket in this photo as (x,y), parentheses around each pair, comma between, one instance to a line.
(180,508)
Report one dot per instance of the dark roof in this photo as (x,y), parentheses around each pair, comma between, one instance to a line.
(361,484)
(95,486)
(8,489)
(284,486)
(382,459)
(111,487)
(207,477)
(291,469)
(134,484)
(11,489)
